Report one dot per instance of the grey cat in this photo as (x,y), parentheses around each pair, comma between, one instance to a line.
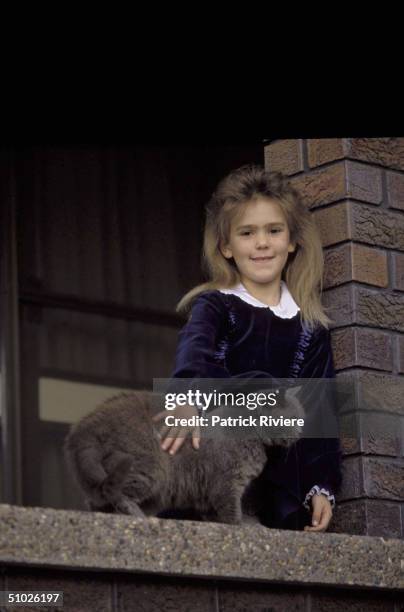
(115,455)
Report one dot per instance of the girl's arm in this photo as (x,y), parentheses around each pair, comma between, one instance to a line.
(320,458)
(198,354)
(197,357)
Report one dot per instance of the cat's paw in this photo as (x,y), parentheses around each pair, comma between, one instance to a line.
(127,506)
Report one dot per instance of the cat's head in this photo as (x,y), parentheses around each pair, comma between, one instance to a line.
(285,421)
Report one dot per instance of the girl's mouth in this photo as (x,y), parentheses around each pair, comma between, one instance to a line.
(259,259)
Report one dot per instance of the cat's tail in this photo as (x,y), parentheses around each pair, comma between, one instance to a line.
(85,464)
(101,478)
(117,476)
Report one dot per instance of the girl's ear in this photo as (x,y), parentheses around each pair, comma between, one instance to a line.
(292,247)
(226,251)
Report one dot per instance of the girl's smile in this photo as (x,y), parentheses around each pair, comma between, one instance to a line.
(262,259)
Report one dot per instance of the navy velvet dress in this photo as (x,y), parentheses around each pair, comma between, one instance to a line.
(226,336)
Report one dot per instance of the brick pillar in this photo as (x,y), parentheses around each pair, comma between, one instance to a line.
(355,189)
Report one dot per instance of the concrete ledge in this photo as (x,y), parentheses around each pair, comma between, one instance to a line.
(44,537)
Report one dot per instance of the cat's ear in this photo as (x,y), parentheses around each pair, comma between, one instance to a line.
(292,392)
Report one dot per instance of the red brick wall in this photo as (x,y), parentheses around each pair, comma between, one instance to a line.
(355,189)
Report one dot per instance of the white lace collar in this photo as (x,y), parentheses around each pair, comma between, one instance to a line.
(286,309)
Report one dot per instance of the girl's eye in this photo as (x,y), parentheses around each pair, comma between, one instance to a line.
(272,231)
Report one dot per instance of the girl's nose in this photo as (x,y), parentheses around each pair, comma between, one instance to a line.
(262,240)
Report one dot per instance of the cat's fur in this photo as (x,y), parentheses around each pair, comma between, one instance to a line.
(115,455)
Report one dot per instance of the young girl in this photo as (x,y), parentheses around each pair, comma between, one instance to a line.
(260,314)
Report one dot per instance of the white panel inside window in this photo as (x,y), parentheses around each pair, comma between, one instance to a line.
(63,401)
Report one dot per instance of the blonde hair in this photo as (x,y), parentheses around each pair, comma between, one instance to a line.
(303,272)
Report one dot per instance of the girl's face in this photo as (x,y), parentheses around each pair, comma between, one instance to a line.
(259,242)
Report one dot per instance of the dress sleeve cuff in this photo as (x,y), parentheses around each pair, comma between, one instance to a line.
(317,490)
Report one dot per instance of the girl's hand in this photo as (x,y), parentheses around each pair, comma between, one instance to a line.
(322,513)
(172,438)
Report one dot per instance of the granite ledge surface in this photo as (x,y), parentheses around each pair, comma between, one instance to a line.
(45,537)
